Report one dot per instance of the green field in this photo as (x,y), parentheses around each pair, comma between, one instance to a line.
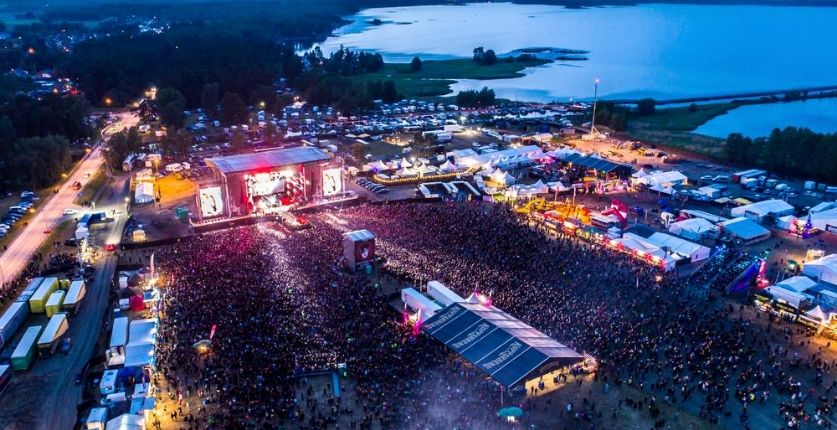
(672,127)
(436,76)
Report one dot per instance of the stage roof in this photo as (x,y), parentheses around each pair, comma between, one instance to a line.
(500,345)
(598,164)
(267,159)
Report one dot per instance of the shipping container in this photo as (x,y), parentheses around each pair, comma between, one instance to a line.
(53,305)
(55,328)
(29,290)
(74,296)
(11,321)
(37,303)
(24,353)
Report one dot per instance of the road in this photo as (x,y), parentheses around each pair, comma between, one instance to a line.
(51,213)
(45,397)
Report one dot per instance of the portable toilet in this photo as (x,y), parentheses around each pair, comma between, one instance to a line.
(97,419)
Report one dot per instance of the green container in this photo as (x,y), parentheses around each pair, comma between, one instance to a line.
(182,213)
(64,284)
(24,353)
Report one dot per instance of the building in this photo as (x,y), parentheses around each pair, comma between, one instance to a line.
(760,210)
(268,181)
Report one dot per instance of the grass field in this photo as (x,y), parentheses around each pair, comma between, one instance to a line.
(436,76)
(672,127)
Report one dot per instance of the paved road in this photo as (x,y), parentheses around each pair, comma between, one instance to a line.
(50,214)
(45,397)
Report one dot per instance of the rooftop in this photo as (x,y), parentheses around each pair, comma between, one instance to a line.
(267,159)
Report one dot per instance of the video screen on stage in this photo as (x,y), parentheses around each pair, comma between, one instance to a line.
(212,203)
(332,182)
(265,184)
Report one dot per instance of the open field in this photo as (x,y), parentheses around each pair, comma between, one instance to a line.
(436,76)
(672,127)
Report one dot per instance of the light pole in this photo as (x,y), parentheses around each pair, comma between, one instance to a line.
(595,99)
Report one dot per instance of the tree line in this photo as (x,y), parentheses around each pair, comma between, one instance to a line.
(36,137)
(791,151)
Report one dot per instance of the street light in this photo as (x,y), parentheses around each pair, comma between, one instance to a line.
(595,99)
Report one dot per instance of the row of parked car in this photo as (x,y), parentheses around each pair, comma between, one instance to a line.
(371,186)
(16,212)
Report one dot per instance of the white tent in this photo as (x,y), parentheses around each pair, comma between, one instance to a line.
(757,211)
(682,247)
(789,296)
(823,219)
(641,173)
(380,166)
(558,186)
(662,189)
(138,355)
(664,179)
(797,283)
(521,190)
(425,170)
(404,163)
(407,172)
(127,422)
(823,269)
(144,193)
(640,245)
(502,177)
(693,228)
(448,167)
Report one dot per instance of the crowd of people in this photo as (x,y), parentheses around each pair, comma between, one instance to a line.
(281,307)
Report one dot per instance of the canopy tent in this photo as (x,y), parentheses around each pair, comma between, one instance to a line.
(512,157)
(498,344)
(640,245)
(662,189)
(682,247)
(757,211)
(562,153)
(405,163)
(824,269)
(664,179)
(641,173)
(520,190)
(693,228)
(558,186)
(448,167)
(138,355)
(745,229)
(502,177)
(789,296)
(797,283)
(407,172)
(143,331)
(380,166)
(426,170)
(127,422)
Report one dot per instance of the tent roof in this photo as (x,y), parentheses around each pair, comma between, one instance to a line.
(676,244)
(139,354)
(498,344)
(798,283)
(267,159)
(695,225)
(744,228)
(359,235)
(596,163)
(764,207)
(127,422)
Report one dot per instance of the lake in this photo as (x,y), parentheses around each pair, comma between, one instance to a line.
(819,115)
(653,50)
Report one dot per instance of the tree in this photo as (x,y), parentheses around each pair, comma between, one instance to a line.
(269,132)
(358,151)
(693,108)
(737,147)
(479,52)
(170,105)
(233,109)
(177,144)
(210,96)
(415,64)
(389,93)
(472,98)
(489,58)
(646,106)
(239,141)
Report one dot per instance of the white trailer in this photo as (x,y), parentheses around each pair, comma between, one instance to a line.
(75,294)
(418,303)
(55,328)
(442,294)
(118,339)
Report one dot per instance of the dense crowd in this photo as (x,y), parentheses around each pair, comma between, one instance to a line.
(284,307)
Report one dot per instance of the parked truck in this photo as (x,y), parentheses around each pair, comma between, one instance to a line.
(11,320)
(24,352)
(55,329)
(37,303)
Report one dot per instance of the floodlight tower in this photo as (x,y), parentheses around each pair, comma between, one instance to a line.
(595,99)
